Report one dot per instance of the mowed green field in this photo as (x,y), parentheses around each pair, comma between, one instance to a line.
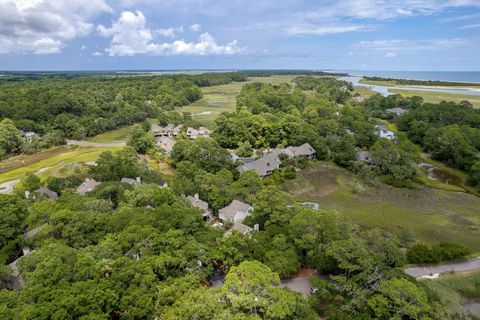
(436,97)
(427,214)
(218,99)
(53,162)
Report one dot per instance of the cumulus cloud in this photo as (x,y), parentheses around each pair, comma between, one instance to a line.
(390,55)
(195,27)
(97,54)
(168,33)
(42,27)
(130,36)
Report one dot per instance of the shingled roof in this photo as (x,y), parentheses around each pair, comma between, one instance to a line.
(235,211)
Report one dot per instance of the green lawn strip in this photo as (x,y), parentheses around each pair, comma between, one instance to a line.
(72,155)
(436,97)
(363,91)
(119,134)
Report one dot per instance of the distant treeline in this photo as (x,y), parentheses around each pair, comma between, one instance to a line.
(423,82)
(198,79)
(268,73)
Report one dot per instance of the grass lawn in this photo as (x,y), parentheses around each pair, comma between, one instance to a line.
(364,91)
(436,97)
(119,134)
(429,215)
(218,99)
(56,161)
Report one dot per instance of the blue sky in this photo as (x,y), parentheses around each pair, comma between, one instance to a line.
(432,35)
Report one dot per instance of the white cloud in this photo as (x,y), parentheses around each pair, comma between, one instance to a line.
(195,27)
(323,30)
(97,54)
(42,26)
(83,47)
(389,48)
(131,36)
(342,16)
(390,55)
(470,26)
(168,33)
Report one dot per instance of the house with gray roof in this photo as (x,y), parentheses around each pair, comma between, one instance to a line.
(169,130)
(47,193)
(202,205)
(131,181)
(265,165)
(236,211)
(202,132)
(305,151)
(240,227)
(397,111)
(87,186)
(365,156)
(166,144)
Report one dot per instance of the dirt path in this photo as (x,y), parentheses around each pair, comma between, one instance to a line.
(435,270)
(96,144)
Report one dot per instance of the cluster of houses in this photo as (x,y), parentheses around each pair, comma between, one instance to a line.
(234,214)
(165,136)
(265,165)
(29,136)
(396,111)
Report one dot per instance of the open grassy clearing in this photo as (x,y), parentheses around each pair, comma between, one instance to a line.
(429,215)
(218,99)
(119,134)
(55,162)
(436,97)
(363,91)
(29,159)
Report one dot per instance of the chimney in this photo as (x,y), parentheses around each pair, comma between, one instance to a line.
(256,227)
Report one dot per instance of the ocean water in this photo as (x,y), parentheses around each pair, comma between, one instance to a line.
(454,76)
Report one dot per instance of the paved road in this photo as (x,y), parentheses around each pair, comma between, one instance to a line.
(7,187)
(298,284)
(96,144)
(430,271)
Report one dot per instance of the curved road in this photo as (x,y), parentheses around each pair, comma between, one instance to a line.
(96,144)
(434,270)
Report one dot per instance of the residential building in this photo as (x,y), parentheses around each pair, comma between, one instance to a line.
(47,193)
(365,156)
(240,227)
(397,111)
(166,144)
(131,181)
(87,186)
(236,211)
(202,132)
(202,205)
(265,165)
(169,130)
(305,151)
